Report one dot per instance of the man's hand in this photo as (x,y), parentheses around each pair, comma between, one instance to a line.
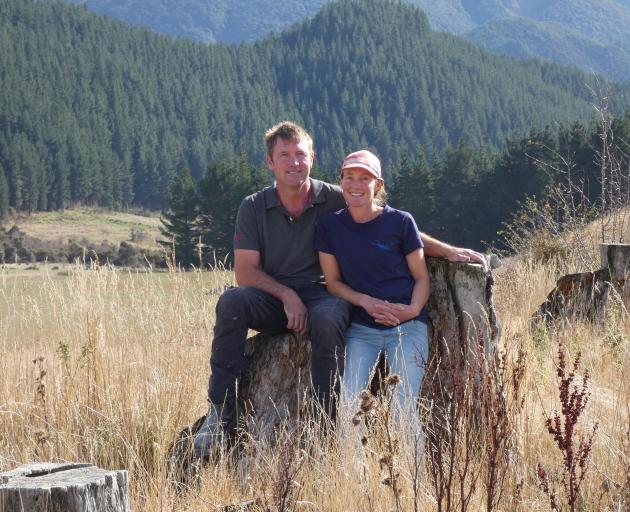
(468,256)
(297,314)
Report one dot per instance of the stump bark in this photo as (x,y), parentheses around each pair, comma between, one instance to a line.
(587,295)
(78,487)
(276,377)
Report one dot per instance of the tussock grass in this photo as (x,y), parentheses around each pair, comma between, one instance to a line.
(107,366)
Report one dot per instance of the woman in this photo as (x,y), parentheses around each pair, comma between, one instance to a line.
(372,256)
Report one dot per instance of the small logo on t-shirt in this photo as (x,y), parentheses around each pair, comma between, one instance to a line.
(382,246)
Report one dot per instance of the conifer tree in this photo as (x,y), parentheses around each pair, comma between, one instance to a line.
(179,221)
(221,191)
(412,190)
(4,194)
(456,182)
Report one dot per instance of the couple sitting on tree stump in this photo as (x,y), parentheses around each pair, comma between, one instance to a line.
(334,263)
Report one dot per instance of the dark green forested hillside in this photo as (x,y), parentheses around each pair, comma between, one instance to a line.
(94,111)
(465,197)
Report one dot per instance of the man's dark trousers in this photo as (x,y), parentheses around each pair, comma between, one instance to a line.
(242,308)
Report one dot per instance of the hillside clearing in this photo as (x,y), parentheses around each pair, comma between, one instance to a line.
(92,224)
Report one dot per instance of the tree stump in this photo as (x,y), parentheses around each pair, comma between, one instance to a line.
(276,375)
(78,487)
(462,320)
(616,258)
(462,324)
(587,294)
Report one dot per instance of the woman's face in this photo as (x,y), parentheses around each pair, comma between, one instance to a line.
(359,187)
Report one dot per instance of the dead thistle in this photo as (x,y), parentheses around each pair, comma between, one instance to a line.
(380,440)
(501,401)
(452,436)
(471,427)
(42,435)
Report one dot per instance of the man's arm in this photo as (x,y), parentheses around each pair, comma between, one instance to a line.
(433,247)
(248,273)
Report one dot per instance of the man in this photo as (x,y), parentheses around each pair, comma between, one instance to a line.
(280,282)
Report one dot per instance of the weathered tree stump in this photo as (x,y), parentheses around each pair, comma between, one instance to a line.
(616,258)
(276,376)
(462,320)
(47,487)
(587,294)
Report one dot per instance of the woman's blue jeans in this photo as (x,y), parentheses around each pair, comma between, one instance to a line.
(406,349)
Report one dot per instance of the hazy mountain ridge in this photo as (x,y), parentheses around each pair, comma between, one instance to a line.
(575,32)
(228,21)
(553,42)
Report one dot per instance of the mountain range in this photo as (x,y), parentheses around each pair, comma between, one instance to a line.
(591,34)
(95,111)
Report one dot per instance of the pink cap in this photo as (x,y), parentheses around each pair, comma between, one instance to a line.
(363,159)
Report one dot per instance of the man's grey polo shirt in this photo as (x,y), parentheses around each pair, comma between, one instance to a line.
(285,243)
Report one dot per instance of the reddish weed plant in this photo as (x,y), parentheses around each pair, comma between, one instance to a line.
(574,444)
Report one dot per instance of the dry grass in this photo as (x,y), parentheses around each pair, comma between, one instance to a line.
(123,362)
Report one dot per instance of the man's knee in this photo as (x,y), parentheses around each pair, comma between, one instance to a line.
(329,320)
(327,326)
(234,301)
(231,324)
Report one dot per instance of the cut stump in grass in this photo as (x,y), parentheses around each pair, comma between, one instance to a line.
(275,381)
(588,295)
(65,487)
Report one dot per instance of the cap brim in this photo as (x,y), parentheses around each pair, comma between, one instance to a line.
(362,166)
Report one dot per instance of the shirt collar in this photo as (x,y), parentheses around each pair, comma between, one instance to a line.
(317,192)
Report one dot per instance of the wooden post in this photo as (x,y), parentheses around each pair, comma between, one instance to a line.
(78,487)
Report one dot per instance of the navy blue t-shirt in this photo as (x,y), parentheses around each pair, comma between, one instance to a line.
(372,255)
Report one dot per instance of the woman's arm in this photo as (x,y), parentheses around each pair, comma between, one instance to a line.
(418,268)
(382,311)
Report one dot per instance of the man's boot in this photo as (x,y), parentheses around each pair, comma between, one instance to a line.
(216,432)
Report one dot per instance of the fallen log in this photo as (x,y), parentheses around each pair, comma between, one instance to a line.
(67,487)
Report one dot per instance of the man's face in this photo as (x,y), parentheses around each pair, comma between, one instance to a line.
(291,163)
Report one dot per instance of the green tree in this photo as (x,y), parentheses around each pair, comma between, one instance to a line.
(179,221)
(4,194)
(456,182)
(221,191)
(524,168)
(412,190)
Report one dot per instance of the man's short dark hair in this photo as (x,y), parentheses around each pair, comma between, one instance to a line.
(286,130)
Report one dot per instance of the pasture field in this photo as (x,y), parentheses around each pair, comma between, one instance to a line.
(107,366)
(91,224)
